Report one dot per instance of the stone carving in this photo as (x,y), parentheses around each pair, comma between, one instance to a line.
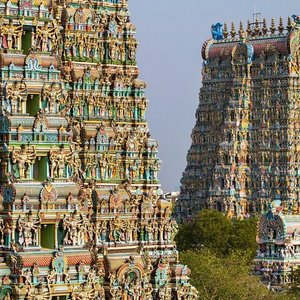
(10,35)
(46,37)
(88,168)
(16,97)
(23,159)
(59,159)
(48,193)
(38,293)
(28,230)
(76,229)
(53,98)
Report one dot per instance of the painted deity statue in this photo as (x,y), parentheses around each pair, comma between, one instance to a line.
(10,35)
(28,230)
(23,159)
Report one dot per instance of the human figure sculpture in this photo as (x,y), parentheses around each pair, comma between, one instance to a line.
(24,158)
(11,35)
(46,37)
(16,94)
(74,227)
(28,230)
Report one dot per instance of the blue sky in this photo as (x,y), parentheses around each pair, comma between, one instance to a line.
(171,34)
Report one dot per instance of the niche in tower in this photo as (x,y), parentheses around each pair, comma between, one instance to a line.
(32,104)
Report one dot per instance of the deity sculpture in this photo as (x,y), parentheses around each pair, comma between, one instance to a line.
(16,96)
(28,230)
(75,229)
(46,37)
(116,229)
(58,161)
(53,98)
(10,35)
(23,159)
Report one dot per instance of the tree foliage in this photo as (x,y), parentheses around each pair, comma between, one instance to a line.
(226,278)
(214,231)
(219,252)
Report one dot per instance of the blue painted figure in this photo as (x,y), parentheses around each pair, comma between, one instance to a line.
(250,53)
(296,19)
(217,31)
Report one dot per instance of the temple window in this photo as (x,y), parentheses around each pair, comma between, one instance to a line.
(40,169)
(26,41)
(47,236)
(32,104)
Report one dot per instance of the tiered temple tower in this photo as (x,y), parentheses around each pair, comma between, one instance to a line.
(245,145)
(81,209)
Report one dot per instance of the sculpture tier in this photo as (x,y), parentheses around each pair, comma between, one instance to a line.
(81,207)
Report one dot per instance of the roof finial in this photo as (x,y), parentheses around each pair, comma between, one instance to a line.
(225,32)
(232,32)
(256,28)
(264,28)
(289,24)
(249,31)
(272,28)
(280,27)
(241,31)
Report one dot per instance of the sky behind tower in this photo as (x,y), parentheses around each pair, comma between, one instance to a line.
(171,34)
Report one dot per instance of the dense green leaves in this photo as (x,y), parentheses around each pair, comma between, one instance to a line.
(225,278)
(214,231)
(219,252)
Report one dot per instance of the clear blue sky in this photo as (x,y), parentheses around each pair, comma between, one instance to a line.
(171,34)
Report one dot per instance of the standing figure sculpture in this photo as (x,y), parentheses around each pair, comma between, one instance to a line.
(28,230)
(46,37)
(11,35)
(23,159)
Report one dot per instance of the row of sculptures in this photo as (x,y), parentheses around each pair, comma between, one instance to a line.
(63,163)
(102,23)
(46,38)
(78,230)
(87,47)
(55,100)
(90,280)
(119,109)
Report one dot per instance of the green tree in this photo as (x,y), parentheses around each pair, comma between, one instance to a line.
(211,229)
(220,252)
(243,237)
(226,278)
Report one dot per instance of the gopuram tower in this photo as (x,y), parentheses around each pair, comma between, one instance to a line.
(81,210)
(245,148)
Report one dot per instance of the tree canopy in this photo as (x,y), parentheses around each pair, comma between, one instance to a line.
(214,231)
(219,252)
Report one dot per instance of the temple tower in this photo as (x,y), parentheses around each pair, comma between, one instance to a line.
(81,210)
(245,149)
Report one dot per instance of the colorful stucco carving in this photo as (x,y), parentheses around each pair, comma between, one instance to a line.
(245,145)
(81,209)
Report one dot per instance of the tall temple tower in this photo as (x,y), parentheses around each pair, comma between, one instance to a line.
(245,145)
(81,210)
